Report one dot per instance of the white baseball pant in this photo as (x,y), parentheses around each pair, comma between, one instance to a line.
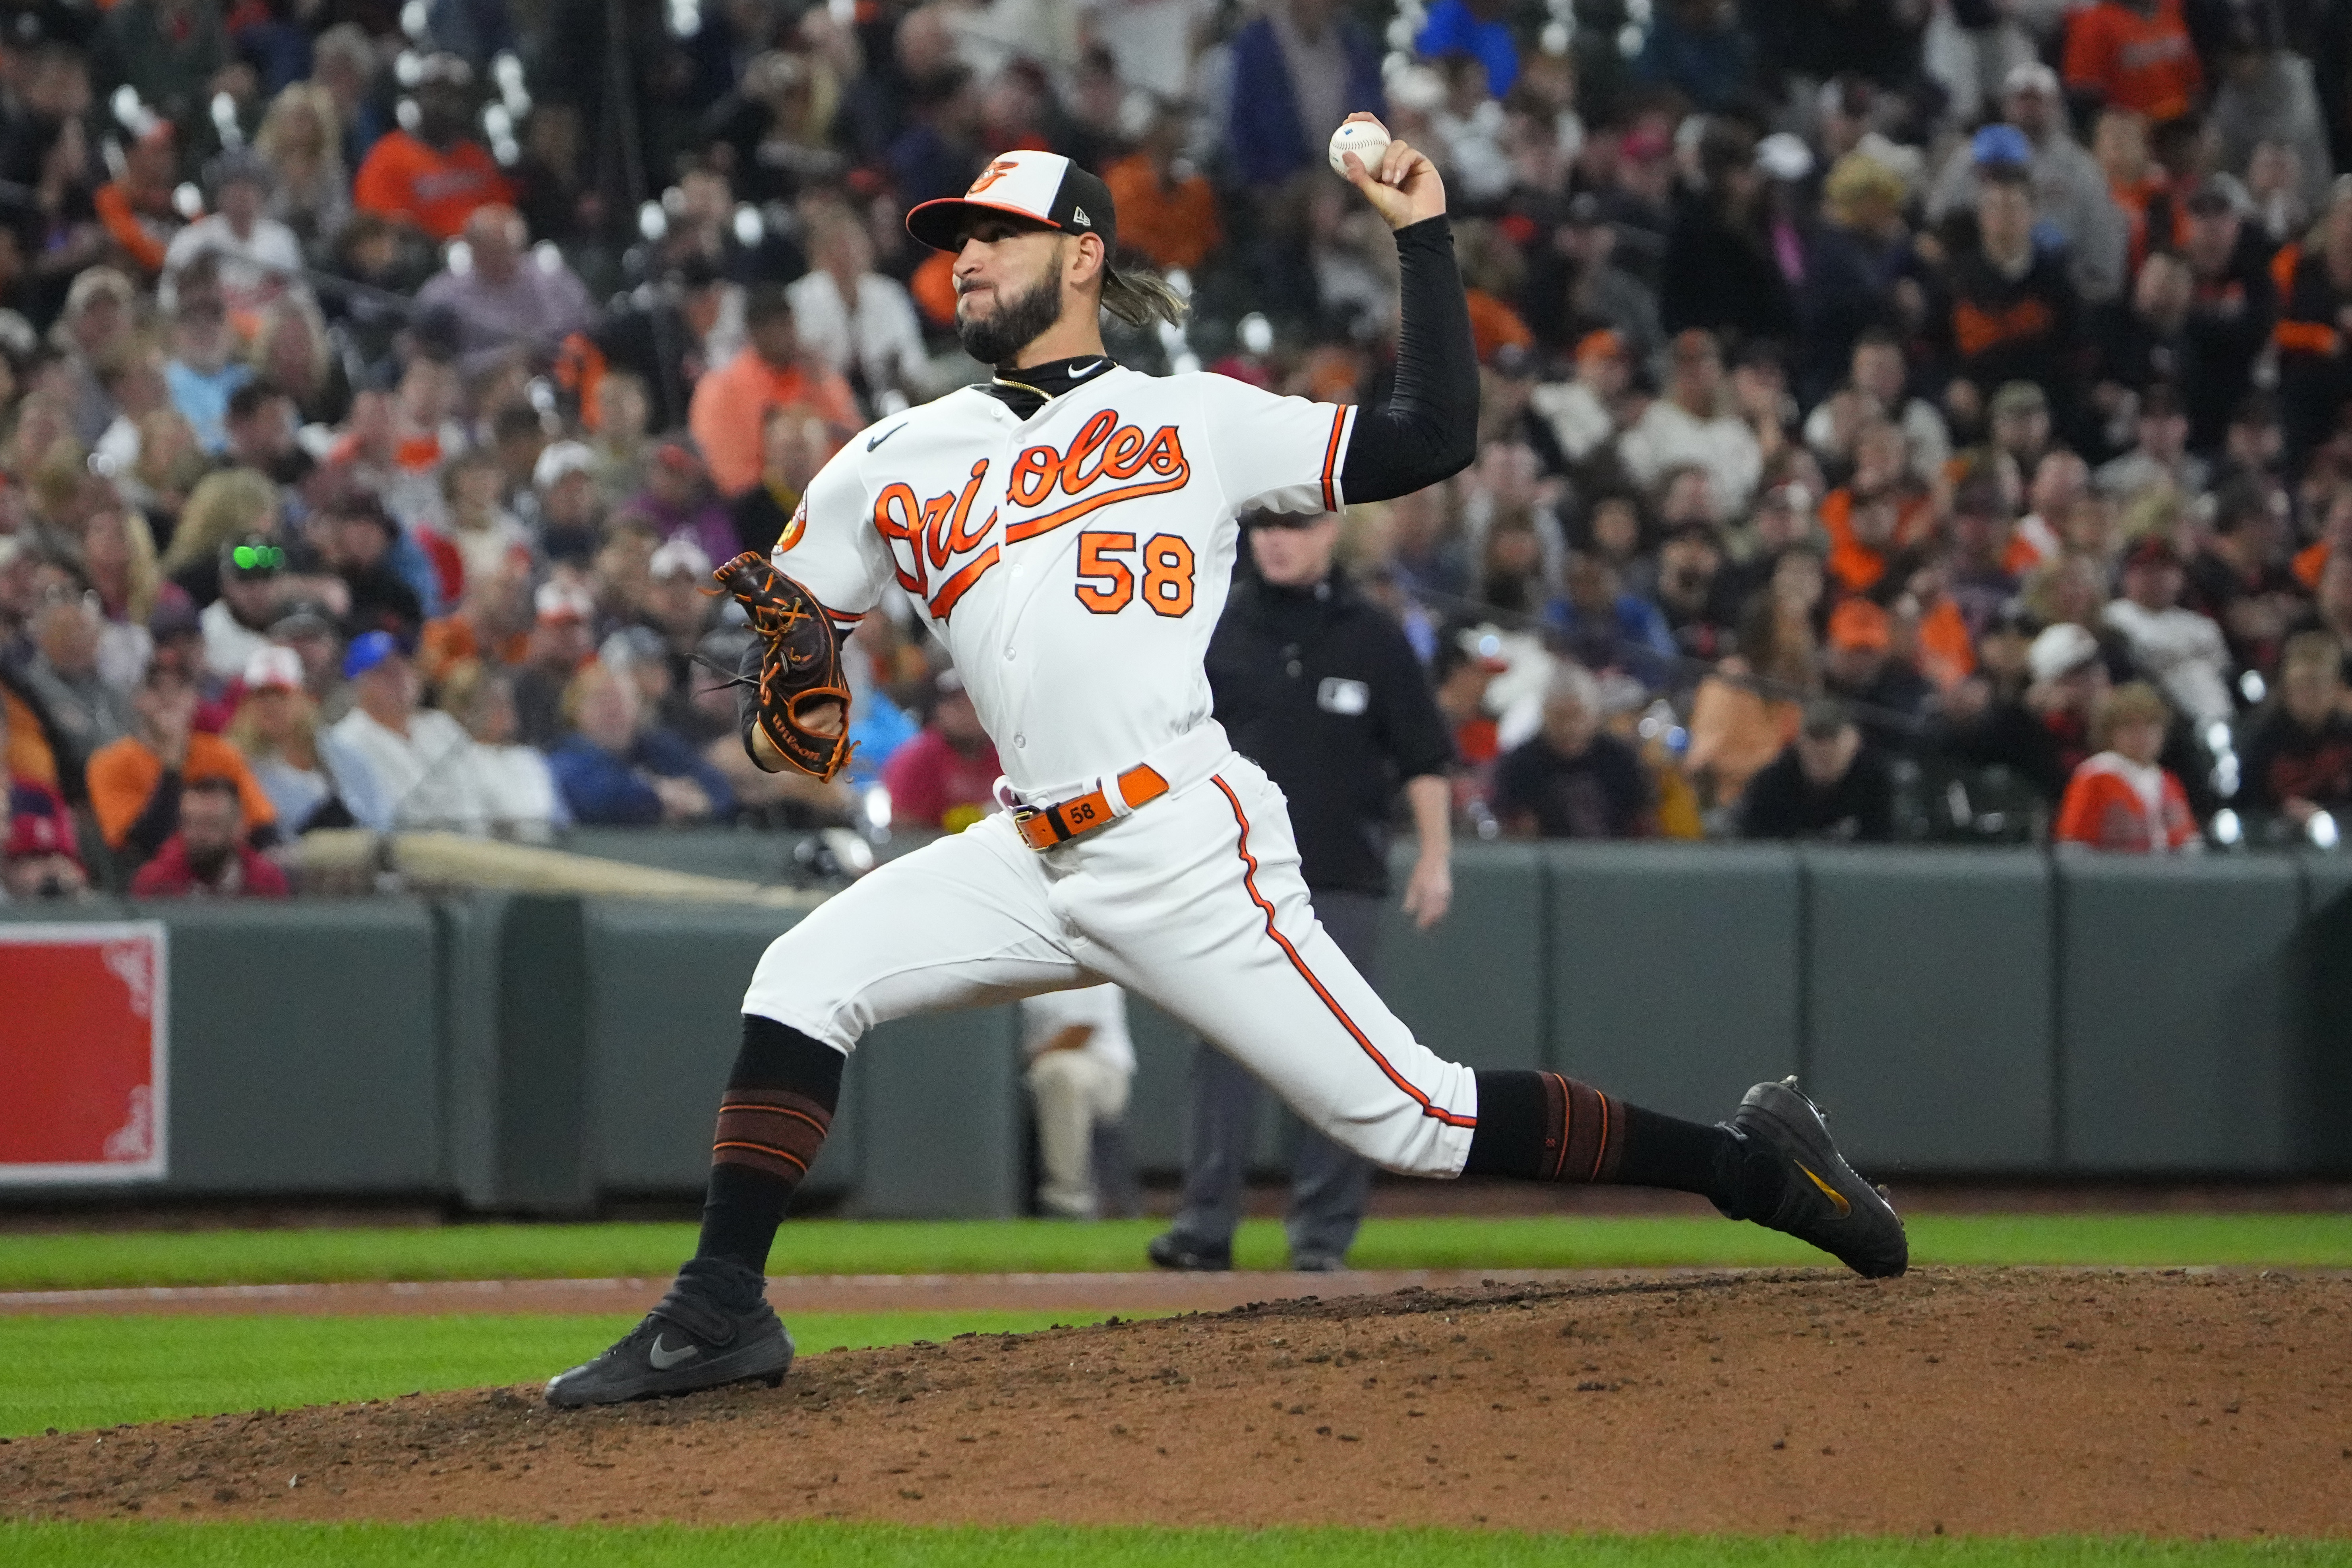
(1194,901)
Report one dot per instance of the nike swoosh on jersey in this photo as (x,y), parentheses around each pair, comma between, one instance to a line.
(885,434)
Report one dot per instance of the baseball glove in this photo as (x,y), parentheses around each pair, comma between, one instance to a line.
(800,663)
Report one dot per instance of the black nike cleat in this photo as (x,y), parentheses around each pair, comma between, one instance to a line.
(685,1343)
(1822,1201)
(1173,1251)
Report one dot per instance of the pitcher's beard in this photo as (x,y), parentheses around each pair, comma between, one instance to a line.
(1012,326)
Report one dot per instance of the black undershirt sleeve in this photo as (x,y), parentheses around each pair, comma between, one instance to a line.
(1428,429)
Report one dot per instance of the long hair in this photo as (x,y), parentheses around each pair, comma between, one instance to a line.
(1140,298)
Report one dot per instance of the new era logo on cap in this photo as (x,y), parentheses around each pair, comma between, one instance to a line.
(1044,188)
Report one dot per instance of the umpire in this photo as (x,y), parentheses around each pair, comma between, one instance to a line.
(1317,684)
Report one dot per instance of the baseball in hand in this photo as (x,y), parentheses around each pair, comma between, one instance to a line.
(1365,140)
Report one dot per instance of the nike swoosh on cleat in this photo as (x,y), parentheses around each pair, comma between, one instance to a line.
(665,1359)
(1829,1192)
(885,434)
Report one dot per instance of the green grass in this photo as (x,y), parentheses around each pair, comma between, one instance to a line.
(882,1246)
(829,1545)
(82,1372)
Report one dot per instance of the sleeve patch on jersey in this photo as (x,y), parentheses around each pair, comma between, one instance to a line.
(795,528)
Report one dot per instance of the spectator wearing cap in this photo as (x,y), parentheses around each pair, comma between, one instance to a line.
(563,638)
(401,767)
(1882,691)
(946,777)
(1585,412)
(176,636)
(1693,593)
(617,768)
(362,545)
(39,858)
(2239,578)
(2232,309)
(1614,267)
(2182,652)
(506,298)
(731,403)
(856,322)
(207,857)
(570,509)
(435,177)
(519,792)
(276,729)
(2135,55)
(2071,190)
(1573,779)
(2122,798)
(258,258)
(2298,749)
(2315,362)
(675,604)
(1299,69)
(135,783)
(2009,312)
(236,624)
(1691,424)
(1827,785)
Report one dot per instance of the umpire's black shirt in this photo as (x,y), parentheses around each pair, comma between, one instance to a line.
(1320,687)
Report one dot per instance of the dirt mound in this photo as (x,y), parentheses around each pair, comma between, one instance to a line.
(2019,1401)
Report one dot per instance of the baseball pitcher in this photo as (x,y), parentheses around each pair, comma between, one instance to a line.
(1067,529)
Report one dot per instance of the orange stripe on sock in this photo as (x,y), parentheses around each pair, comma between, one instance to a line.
(1249,881)
(764,1149)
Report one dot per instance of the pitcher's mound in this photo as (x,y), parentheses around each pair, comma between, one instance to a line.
(2004,1402)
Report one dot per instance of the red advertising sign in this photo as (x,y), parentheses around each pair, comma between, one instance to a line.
(81,1052)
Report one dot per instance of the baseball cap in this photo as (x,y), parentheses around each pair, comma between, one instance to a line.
(2019,397)
(39,831)
(681,557)
(1858,624)
(2031,76)
(304,617)
(560,461)
(2060,651)
(677,453)
(2000,144)
(1645,144)
(175,614)
(561,601)
(2210,199)
(276,669)
(2154,550)
(368,650)
(1604,342)
(1044,188)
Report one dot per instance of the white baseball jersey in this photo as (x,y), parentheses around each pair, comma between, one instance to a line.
(1075,564)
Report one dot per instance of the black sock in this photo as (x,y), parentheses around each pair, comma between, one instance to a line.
(1544,1127)
(777,1106)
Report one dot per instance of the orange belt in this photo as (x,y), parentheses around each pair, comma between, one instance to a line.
(1043,827)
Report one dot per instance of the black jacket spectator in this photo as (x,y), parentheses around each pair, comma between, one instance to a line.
(1783,802)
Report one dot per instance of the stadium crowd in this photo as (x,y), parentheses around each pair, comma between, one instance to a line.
(1899,419)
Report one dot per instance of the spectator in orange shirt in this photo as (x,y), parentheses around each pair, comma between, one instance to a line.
(2123,799)
(436,177)
(136,204)
(731,403)
(136,782)
(2135,55)
(1167,215)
